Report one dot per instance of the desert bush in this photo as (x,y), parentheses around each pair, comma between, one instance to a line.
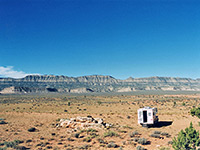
(165,134)
(135,139)
(170,142)
(174,104)
(188,139)
(13,145)
(91,130)
(120,148)
(157,132)
(112,145)
(128,127)
(70,139)
(195,112)
(76,135)
(1,144)
(140,148)
(99,102)
(164,148)
(86,146)
(155,135)
(134,133)
(87,139)
(101,141)
(3,122)
(93,135)
(142,141)
(110,134)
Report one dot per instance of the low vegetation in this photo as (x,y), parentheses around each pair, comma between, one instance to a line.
(195,112)
(34,119)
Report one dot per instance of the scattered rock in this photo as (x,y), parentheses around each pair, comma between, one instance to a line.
(83,123)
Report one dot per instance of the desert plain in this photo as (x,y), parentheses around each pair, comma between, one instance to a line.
(21,113)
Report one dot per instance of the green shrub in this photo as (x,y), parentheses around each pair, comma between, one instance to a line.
(99,102)
(110,134)
(188,139)
(91,130)
(195,112)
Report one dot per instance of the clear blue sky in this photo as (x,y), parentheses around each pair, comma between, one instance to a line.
(121,38)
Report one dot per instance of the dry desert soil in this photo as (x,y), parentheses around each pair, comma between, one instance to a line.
(20,113)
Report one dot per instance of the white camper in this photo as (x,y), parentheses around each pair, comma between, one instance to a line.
(147,116)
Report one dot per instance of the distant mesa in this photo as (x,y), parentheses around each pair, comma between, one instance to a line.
(94,83)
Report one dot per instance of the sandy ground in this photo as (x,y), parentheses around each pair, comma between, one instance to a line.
(173,112)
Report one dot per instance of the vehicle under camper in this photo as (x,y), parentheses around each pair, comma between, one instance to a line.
(147,116)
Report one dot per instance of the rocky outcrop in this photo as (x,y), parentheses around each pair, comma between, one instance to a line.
(126,89)
(83,123)
(94,83)
(9,90)
(81,90)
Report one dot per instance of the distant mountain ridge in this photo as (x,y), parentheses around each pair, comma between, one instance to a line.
(94,83)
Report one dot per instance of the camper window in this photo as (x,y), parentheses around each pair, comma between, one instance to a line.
(149,114)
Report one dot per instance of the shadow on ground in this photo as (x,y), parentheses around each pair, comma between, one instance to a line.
(163,124)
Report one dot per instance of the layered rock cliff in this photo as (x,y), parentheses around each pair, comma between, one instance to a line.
(94,83)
